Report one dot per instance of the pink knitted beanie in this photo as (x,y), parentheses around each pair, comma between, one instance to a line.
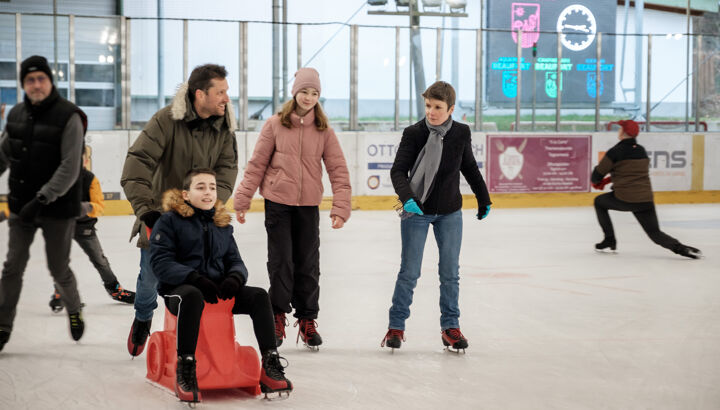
(306,78)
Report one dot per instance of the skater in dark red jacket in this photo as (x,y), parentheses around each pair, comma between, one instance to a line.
(196,260)
(628,166)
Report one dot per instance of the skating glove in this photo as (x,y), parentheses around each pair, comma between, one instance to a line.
(30,210)
(482,214)
(208,288)
(231,285)
(149,218)
(601,185)
(411,206)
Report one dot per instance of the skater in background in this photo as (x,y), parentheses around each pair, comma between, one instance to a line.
(628,165)
(286,165)
(93,205)
(197,130)
(42,144)
(426,176)
(195,258)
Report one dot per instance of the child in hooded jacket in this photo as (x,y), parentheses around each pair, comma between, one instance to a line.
(287,166)
(196,260)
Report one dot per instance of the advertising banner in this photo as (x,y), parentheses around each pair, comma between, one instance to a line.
(538,163)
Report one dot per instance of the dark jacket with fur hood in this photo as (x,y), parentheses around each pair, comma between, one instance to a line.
(186,239)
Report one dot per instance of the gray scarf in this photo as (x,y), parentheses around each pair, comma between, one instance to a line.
(428,161)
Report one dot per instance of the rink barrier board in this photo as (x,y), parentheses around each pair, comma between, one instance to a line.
(695,180)
(543,200)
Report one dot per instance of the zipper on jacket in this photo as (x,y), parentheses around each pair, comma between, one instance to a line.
(206,247)
(301,164)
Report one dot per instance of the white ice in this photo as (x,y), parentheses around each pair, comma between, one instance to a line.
(551,323)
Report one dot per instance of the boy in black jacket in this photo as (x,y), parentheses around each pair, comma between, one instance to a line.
(196,260)
(426,176)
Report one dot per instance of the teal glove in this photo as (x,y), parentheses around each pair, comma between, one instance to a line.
(485,214)
(412,207)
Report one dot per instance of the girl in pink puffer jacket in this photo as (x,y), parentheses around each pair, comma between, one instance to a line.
(287,167)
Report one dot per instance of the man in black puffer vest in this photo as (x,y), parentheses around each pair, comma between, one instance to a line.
(42,144)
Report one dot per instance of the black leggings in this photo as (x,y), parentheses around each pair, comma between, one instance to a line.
(186,302)
(644,213)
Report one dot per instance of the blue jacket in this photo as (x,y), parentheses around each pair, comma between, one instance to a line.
(186,240)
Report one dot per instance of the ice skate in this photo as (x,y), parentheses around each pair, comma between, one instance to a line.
(118,293)
(393,339)
(4,337)
(186,387)
(139,332)
(272,378)
(309,335)
(56,303)
(77,325)
(280,323)
(607,245)
(454,339)
(688,251)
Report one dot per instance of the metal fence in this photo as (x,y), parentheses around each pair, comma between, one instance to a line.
(121,70)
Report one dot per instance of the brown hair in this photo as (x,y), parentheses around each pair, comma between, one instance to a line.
(321,120)
(201,76)
(193,173)
(440,90)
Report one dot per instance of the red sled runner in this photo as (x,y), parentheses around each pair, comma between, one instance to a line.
(221,362)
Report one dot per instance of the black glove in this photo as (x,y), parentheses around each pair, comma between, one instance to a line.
(231,285)
(30,210)
(207,287)
(150,217)
(3,216)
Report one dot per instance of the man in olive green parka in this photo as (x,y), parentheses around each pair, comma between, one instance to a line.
(197,130)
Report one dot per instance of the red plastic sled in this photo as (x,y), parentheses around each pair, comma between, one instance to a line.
(221,362)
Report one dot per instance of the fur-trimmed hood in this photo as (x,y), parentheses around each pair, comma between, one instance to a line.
(173,201)
(181,110)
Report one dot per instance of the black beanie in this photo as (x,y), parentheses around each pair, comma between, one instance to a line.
(32,64)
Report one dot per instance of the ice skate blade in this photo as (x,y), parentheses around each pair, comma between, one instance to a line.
(606,251)
(453,350)
(279,396)
(312,348)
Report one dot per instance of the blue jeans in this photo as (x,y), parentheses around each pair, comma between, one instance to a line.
(146,290)
(448,235)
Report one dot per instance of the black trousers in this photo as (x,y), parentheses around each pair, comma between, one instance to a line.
(186,302)
(644,213)
(293,258)
(88,240)
(58,238)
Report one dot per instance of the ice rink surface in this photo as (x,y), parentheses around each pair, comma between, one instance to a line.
(551,323)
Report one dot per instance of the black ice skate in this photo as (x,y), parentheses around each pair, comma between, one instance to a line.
(186,386)
(393,339)
(310,337)
(4,337)
(56,303)
(280,323)
(139,331)
(455,339)
(687,251)
(607,245)
(272,377)
(77,325)
(118,293)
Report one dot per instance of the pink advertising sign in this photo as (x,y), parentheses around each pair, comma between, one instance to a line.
(538,163)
